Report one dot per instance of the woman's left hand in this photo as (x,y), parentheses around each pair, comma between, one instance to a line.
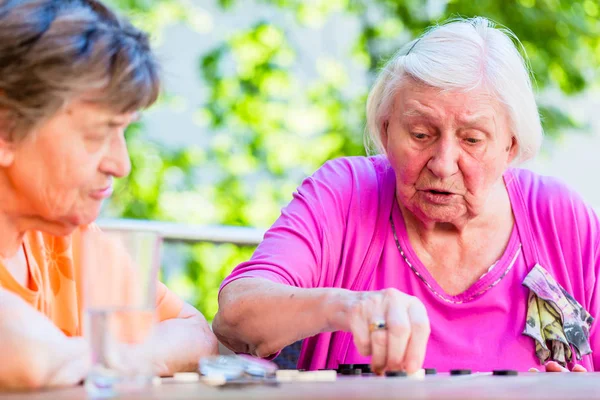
(553,366)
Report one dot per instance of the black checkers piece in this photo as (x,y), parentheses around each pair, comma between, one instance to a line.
(395,373)
(365,368)
(505,372)
(460,372)
(353,369)
(342,368)
(430,371)
(350,371)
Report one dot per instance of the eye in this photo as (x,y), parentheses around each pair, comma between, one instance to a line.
(420,136)
(472,140)
(97,136)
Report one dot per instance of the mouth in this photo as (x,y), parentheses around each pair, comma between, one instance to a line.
(438,192)
(438,196)
(103,193)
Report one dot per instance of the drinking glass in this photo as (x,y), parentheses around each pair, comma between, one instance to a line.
(119,270)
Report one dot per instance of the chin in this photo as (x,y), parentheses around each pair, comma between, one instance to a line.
(72,222)
(67,223)
(63,229)
(82,220)
(441,214)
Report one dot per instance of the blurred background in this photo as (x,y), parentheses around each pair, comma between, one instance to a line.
(260,93)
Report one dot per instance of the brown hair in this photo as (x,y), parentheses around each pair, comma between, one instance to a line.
(52,51)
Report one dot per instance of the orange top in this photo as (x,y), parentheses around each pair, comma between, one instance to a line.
(55,282)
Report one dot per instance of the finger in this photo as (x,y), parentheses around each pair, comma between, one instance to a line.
(359,326)
(533,370)
(579,368)
(379,343)
(553,366)
(398,333)
(419,335)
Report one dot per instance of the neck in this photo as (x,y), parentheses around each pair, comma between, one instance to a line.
(11,235)
(17,216)
(14,221)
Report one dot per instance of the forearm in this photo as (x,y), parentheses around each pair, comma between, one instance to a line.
(179,343)
(260,317)
(34,352)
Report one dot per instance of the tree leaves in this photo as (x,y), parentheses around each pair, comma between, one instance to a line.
(271,126)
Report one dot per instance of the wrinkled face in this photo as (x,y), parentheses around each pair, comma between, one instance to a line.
(448,150)
(63,170)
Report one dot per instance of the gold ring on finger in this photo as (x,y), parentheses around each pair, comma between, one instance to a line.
(377,326)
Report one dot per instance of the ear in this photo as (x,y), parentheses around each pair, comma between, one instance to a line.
(383,132)
(512,149)
(7,151)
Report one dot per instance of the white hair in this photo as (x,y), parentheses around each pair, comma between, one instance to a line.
(462,55)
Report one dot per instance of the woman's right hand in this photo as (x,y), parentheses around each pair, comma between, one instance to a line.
(401,343)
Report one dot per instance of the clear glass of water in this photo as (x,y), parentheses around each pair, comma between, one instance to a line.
(120,270)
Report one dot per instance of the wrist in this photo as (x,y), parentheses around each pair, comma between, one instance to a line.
(338,305)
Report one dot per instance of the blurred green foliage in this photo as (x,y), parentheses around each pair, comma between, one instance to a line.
(268,130)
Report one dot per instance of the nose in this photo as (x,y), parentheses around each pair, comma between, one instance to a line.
(116,163)
(444,161)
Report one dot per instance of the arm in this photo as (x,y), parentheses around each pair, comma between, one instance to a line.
(180,342)
(260,317)
(29,343)
(283,301)
(253,321)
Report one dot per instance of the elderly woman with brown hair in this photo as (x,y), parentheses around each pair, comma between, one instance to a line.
(72,77)
(439,252)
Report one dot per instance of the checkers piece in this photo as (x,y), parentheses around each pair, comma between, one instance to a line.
(344,367)
(349,369)
(306,376)
(186,377)
(505,372)
(395,373)
(286,373)
(460,372)
(430,371)
(365,368)
(317,376)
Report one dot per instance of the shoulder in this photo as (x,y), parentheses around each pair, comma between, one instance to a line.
(565,228)
(536,185)
(350,184)
(550,198)
(354,173)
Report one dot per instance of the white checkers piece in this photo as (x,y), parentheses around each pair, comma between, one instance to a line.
(214,380)
(286,373)
(186,377)
(306,376)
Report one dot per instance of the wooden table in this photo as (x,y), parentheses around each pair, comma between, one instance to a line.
(526,386)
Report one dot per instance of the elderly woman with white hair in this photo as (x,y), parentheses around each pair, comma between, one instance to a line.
(439,252)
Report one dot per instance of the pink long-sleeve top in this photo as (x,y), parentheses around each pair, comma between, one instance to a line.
(338,231)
